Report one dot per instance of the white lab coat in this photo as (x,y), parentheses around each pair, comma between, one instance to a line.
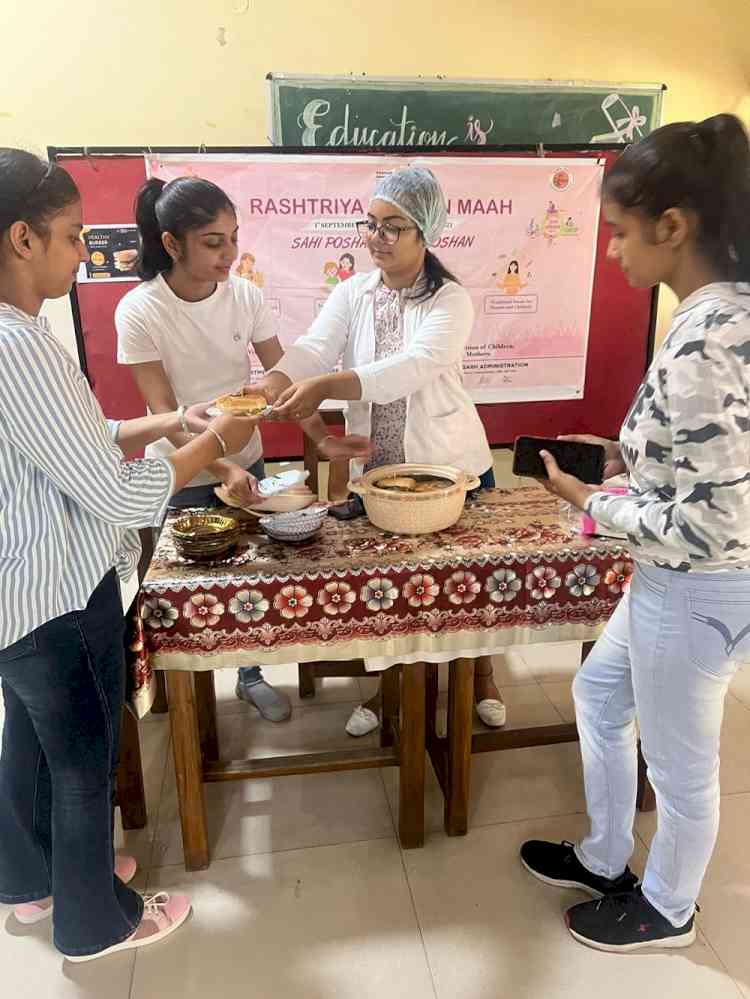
(442,423)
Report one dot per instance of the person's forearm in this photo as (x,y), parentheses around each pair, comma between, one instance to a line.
(191,459)
(134,435)
(167,425)
(344,385)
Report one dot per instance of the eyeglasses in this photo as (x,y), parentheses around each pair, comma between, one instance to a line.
(387,232)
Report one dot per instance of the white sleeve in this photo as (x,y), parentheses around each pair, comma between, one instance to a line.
(262,322)
(135,345)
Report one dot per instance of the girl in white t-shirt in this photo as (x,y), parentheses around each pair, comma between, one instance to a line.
(187,332)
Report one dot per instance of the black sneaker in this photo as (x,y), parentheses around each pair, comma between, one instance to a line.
(626,922)
(557,864)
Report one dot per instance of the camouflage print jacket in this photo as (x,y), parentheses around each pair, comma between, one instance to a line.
(686,442)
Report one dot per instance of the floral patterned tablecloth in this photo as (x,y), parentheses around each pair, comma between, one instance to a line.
(511,571)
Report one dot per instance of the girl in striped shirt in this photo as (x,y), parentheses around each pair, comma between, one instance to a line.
(69,509)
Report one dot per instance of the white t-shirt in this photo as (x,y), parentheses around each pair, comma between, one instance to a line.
(203,346)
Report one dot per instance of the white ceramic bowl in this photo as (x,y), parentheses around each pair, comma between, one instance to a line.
(294,526)
(292,538)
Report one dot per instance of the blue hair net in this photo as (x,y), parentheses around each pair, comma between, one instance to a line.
(416,192)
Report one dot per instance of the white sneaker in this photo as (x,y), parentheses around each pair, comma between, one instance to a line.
(492,712)
(29,913)
(162,915)
(362,721)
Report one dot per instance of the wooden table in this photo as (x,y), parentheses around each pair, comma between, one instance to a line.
(192,713)
(509,573)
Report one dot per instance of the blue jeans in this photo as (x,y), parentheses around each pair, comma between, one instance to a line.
(666,657)
(64,686)
(206,497)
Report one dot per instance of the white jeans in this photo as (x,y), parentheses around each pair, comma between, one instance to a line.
(666,658)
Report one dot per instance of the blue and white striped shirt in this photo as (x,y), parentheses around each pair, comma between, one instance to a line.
(69,503)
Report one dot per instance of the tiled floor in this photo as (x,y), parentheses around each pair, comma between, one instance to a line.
(309,894)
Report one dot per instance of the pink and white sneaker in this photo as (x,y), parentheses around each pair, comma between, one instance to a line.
(34,912)
(162,914)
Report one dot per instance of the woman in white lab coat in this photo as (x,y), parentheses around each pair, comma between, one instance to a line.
(400,333)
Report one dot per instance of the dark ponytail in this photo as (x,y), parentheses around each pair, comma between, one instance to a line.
(703,167)
(32,191)
(177,207)
(436,274)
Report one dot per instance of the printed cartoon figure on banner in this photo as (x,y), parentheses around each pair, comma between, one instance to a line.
(514,273)
(331,273)
(246,269)
(346,267)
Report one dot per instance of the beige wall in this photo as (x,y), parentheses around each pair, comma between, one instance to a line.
(153,71)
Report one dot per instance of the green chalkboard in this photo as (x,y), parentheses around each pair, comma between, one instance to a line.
(383,112)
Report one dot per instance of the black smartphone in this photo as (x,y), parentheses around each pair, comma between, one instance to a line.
(348,510)
(585,461)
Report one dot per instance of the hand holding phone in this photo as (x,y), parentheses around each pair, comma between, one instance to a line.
(584,461)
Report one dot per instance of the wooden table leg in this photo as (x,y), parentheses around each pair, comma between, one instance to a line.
(390,699)
(183,718)
(160,706)
(205,702)
(412,757)
(338,480)
(131,796)
(431,698)
(306,679)
(458,778)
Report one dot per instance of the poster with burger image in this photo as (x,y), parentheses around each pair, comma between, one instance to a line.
(113,253)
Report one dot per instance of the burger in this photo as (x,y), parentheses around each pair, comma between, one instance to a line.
(242,405)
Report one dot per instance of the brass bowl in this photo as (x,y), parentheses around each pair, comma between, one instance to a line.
(201,528)
(202,537)
(206,555)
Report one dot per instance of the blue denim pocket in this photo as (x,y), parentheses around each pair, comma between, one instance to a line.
(719,631)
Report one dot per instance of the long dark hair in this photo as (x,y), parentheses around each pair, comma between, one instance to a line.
(436,274)
(177,207)
(703,167)
(32,191)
